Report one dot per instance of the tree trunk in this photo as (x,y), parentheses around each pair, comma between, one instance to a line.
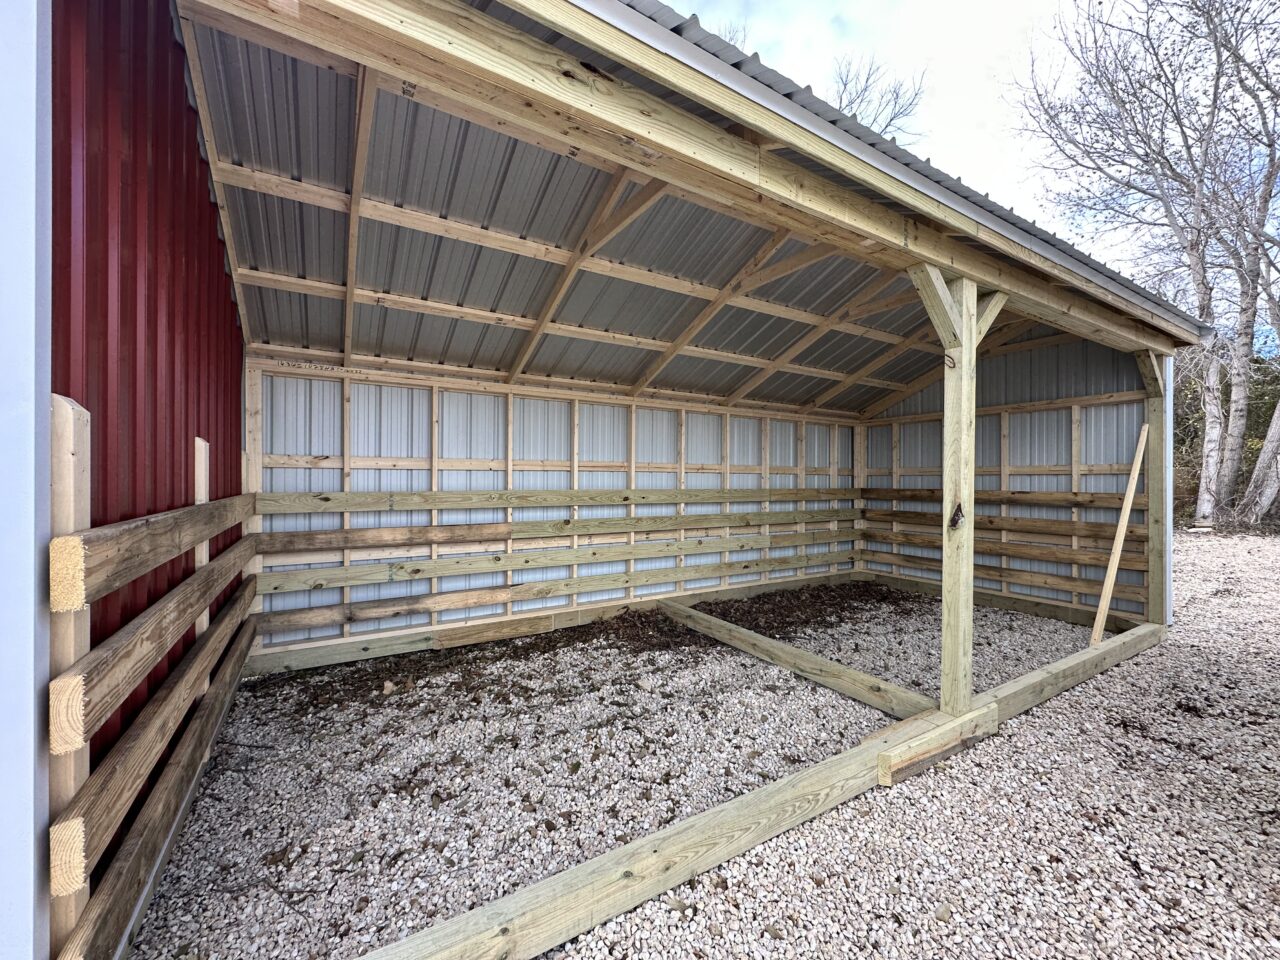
(1265,482)
(1211,456)
(1237,421)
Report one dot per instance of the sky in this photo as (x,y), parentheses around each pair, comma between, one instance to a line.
(971,51)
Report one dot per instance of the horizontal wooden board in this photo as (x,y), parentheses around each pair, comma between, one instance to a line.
(1037,498)
(337,613)
(1066,528)
(269,503)
(88,564)
(365,573)
(990,546)
(83,697)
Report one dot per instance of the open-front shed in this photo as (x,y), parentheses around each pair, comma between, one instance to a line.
(537,312)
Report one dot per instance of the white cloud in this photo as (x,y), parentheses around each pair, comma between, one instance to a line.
(970,52)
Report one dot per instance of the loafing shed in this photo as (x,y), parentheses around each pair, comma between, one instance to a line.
(501,318)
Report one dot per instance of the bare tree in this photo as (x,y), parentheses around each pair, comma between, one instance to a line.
(734,32)
(1161,121)
(864,90)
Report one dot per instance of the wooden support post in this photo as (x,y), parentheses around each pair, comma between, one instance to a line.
(68,632)
(960,321)
(1154,370)
(201,495)
(1113,566)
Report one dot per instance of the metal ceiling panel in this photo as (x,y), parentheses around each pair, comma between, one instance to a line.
(383,332)
(283,236)
(702,376)
(292,319)
(588,360)
(744,331)
(620,306)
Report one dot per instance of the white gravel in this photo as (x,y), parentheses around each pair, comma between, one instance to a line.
(1137,815)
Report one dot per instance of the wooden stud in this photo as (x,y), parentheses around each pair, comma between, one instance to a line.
(69,503)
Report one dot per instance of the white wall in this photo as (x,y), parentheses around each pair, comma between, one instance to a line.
(24,483)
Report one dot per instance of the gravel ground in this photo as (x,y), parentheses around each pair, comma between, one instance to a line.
(1137,815)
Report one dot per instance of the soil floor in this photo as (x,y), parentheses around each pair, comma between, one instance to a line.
(1134,816)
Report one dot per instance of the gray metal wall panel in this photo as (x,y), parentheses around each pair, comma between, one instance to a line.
(920,444)
(657,433)
(473,426)
(301,416)
(745,441)
(783,440)
(1040,438)
(602,432)
(703,435)
(542,429)
(389,421)
(880,448)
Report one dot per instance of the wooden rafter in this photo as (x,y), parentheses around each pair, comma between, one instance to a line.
(737,285)
(440,308)
(301,192)
(607,221)
(865,299)
(366,100)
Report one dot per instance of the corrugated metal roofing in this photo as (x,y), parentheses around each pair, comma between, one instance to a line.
(383,332)
(699,375)
(609,303)
(293,319)
(284,236)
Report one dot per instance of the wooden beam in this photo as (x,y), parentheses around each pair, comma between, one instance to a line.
(139,861)
(81,833)
(366,103)
(737,285)
(1113,567)
(196,72)
(339,613)
(82,697)
(1151,368)
(989,308)
(881,694)
(88,564)
(1157,478)
(69,510)
(903,760)
(599,229)
(953,309)
(538,917)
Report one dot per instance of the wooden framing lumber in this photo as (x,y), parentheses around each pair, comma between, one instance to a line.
(90,563)
(1020,695)
(1157,482)
(320,578)
(70,443)
(536,918)
(1113,564)
(339,613)
(1025,498)
(309,654)
(949,735)
(82,832)
(366,102)
(269,503)
(138,862)
(200,495)
(889,697)
(84,696)
(1032,525)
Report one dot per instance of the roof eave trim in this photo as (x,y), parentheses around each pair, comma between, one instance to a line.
(667,42)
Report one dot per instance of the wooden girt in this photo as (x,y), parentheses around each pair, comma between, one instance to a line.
(864,299)
(366,101)
(423,222)
(498,69)
(608,220)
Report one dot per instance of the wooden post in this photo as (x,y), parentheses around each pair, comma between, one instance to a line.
(961,322)
(1113,566)
(200,494)
(68,632)
(1153,369)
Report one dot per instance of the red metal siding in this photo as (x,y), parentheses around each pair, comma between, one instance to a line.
(145,335)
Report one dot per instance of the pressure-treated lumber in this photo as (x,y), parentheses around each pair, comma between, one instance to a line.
(1020,695)
(1159,497)
(538,529)
(70,443)
(268,503)
(949,735)
(84,696)
(90,563)
(953,309)
(496,68)
(320,578)
(366,101)
(337,613)
(1033,525)
(881,694)
(81,833)
(536,918)
(1113,565)
(308,654)
(139,860)
(1030,498)
(992,546)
